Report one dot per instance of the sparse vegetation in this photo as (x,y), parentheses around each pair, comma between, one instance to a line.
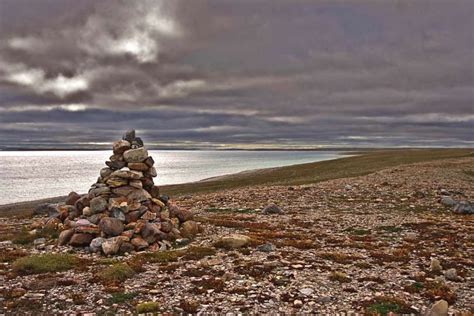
(116,273)
(24,236)
(121,297)
(44,263)
(438,290)
(358,231)
(197,253)
(147,307)
(390,229)
(339,276)
(384,305)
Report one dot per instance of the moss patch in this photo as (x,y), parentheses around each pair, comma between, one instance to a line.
(116,273)
(340,277)
(384,305)
(44,263)
(121,297)
(147,307)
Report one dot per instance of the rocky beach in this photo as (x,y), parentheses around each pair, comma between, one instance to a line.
(399,239)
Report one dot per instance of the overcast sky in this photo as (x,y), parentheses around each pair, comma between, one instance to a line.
(240,73)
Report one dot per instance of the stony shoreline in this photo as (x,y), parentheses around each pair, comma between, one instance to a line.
(362,244)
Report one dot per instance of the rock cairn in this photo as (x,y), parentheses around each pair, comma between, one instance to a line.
(123,211)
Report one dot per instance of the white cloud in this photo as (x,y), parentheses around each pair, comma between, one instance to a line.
(35,78)
(138,34)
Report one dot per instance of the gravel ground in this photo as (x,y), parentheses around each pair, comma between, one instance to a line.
(346,245)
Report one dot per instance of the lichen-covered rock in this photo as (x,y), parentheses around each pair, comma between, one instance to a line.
(116,182)
(127,174)
(234,241)
(440,308)
(135,155)
(120,146)
(111,246)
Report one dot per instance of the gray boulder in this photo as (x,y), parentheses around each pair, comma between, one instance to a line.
(98,204)
(272,209)
(448,201)
(464,207)
(96,244)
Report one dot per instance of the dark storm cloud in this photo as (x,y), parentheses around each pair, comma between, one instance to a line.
(260,73)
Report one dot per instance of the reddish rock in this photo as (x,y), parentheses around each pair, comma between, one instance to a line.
(111,226)
(182,214)
(92,229)
(132,216)
(80,240)
(148,216)
(140,166)
(150,232)
(127,234)
(139,243)
(65,236)
(72,198)
(166,227)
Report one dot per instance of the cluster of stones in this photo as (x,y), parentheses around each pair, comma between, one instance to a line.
(459,207)
(123,211)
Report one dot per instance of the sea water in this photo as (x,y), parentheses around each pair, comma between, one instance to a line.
(32,175)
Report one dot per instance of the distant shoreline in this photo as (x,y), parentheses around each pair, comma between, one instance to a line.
(298,174)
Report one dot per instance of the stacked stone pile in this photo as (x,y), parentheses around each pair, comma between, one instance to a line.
(123,210)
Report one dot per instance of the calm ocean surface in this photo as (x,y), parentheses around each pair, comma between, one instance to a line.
(31,175)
